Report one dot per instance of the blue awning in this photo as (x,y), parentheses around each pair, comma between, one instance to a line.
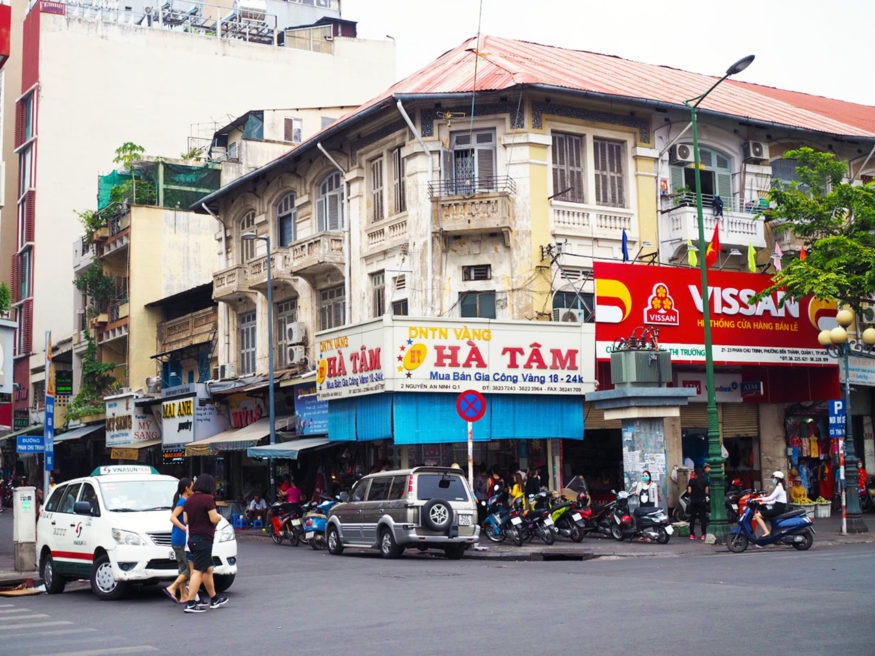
(289,450)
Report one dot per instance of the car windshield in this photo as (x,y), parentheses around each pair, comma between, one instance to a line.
(441,486)
(138,496)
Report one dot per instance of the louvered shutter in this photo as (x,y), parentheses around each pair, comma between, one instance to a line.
(724,188)
(740,420)
(677,178)
(16,278)
(29,214)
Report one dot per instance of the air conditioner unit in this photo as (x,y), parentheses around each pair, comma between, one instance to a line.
(569,315)
(224,371)
(755,151)
(252,10)
(681,154)
(295,354)
(295,332)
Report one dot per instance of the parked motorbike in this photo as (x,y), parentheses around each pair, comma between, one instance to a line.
(284,523)
(568,519)
(315,520)
(867,495)
(496,520)
(534,520)
(793,528)
(649,523)
(598,519)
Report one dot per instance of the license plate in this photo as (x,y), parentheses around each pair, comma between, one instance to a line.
(172,555)
(576,517)
(669,530)
(735,506)
(296,522)
(549,521)
(309,535)
(464,520)
(516,521)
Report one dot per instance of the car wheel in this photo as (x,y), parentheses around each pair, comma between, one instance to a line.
(335,546)
(455,551)
(388,547)
(437,515)
(222,581)
(54,582)
(103,583)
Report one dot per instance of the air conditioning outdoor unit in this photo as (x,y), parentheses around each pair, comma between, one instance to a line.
(295,354)
(252,10)
(681,154)
(755,151)
(295,332)
(224,371)
(569,315)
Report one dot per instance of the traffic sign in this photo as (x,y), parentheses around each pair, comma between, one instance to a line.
(29,444)
(471,405)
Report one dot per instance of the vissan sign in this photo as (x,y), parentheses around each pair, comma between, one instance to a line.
(440,355)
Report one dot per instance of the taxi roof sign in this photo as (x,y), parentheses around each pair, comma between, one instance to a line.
(106,470)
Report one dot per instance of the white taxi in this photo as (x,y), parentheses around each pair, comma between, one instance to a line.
(113,528)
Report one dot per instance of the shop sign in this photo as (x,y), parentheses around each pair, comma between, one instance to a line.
(860,372)
(727,387)
(751,388)
(127,423)
(177,421)
(7,334)
(776,330)
(443,355)
(244,410)
(312,413)
(837,418)
(124,454)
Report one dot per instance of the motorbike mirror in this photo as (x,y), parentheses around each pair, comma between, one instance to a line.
(496,488)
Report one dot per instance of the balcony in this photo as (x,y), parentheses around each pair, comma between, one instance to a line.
(112,331)
(83,255)
(739,227)
(387,234)
(195,328)
(317,255)
(281,270)
(786,239)
(475,206)
(594,221)
(229,282)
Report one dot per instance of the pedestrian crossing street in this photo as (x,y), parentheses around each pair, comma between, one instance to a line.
(30,629)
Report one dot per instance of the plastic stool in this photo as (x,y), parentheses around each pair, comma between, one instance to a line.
(257,523)
(239,521)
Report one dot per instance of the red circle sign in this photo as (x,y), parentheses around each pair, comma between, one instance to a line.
(471,405)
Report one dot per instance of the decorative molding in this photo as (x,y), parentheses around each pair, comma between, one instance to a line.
(565,111)
(516,113)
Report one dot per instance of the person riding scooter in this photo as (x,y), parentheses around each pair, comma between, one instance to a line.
(772,505)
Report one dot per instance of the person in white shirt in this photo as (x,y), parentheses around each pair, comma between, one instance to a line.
(772,505)
(645,490)
(256,509)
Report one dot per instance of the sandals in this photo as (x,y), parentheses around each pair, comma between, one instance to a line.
(170,595)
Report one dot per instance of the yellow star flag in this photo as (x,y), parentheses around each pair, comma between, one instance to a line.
(751,258)
(691,254)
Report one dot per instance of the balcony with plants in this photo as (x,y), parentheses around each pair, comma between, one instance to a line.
(741,224)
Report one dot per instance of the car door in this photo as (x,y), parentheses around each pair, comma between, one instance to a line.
(373,507)
(68,558)
(349,513)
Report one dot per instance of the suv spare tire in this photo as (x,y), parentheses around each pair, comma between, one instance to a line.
(437,515)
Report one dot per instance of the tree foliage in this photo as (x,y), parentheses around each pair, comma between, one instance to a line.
(97,382)
(836,222)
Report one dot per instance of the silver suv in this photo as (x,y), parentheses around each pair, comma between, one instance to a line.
(423,507)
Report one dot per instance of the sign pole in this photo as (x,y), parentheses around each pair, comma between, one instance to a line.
(471,454)
(471,406)
(842,486)
(49,423)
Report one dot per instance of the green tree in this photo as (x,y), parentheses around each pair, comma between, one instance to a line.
(97,382)
(5,298)
(836,222)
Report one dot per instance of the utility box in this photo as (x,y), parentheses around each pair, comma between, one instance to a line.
(24,528)
(641,368)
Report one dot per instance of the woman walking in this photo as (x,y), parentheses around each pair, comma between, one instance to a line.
(177,541)
(201,518)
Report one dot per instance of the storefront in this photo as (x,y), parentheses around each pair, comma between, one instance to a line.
(395,382)
(133,431)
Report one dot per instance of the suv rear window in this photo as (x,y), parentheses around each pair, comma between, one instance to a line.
(441,486)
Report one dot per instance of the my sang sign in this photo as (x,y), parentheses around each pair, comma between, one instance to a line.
(127,423)
(440,355)
(629,296)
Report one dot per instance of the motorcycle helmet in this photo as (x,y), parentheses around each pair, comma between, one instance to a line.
(736,482)
(778,475)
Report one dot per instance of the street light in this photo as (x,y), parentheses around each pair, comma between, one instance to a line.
(270,354)
(715,458)
(838,345)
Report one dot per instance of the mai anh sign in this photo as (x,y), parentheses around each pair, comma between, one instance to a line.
(441,355)
(775,330)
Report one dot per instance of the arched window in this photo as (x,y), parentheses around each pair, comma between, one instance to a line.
(715,175)
(329,204)
(247,246)
(286,216)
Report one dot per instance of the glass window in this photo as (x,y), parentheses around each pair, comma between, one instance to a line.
(332,308)
(568,167)
(25,272)
(88,494)
(359,490)
(247,343)
(286,313)
(329,204)
(55,499)
(293,130)
(68,500)
(477,304)
(247,246)
(441,486)
(137,496)
(399,308)
(286,216)
(399,190)
(715,180)
(376,183)
(399,487)
(470,164)
(380,488)
(610,185)
(378,293)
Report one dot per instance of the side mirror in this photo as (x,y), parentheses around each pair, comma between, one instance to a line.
(343,497)
(82,508)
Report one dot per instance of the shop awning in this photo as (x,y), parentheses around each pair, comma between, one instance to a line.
(288,450)
(76,433)
(36,428)
(142,444)
(231,440)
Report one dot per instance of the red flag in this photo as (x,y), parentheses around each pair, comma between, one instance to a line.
(803,254)
(713,249)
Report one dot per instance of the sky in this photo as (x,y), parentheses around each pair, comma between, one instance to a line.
(821,48)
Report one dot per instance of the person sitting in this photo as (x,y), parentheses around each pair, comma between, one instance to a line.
(772,505)
(257,508)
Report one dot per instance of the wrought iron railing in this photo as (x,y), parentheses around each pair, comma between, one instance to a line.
(503,184)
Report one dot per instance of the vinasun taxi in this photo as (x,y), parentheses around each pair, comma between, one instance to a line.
(113,529)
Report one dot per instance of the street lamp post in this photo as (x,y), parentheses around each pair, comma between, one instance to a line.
(270,357)
(838,345)
(715,458)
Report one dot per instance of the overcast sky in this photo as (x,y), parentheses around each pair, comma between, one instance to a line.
(822,48)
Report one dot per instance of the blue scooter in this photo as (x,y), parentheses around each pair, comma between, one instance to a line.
(496,520)
(793,528)
(315,521)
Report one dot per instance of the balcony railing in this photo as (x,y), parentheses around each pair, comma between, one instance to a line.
(309,256)
(739,225)
(503,184)
(590,220)
(388,233)
(228,282)
(281,269)
(195,328)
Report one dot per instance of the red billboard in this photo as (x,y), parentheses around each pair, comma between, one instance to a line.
(775,330)
(5,33)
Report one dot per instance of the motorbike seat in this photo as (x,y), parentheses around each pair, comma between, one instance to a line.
(797,512)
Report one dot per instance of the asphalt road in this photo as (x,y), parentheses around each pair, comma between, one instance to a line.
(294,600)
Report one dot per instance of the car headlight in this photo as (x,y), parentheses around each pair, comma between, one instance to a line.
(127,537)
(225,533)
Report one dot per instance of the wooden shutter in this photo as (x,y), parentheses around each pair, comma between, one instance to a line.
(26,324)
(677,178)
(724,188)
(29,213)
(741,420)
(16,278)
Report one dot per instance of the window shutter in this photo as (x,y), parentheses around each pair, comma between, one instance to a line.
(29,228)
(27,325)
(486,167)
(740,420)
(446,171)
(16,278)
(20,109)
(724,187)
(677,178)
